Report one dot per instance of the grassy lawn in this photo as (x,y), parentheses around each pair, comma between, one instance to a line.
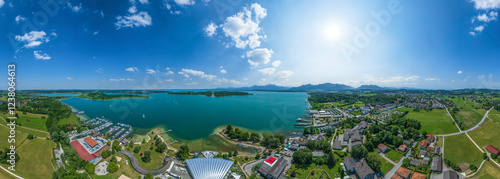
(35,164)
(460,149)
(34,121)
(469,118)
(5,133)
(5,175)
(123,169)
(494,115)
(26,130)
(386,166)
(488,171)
(435,122)
(439,142)
(395,156)
(72,119)
(156,158)
(487,134)
(302,172)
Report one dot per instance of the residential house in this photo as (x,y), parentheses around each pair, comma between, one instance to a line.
(431,138)
(403,173)
(402,148)
(383,148)
(273,168)
(422,154)
(415,163)
(417,175)
(337,145)
(424,144)
(359,168)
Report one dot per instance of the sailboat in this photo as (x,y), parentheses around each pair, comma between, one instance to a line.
(143,116)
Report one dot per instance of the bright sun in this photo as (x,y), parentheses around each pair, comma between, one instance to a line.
(333,32)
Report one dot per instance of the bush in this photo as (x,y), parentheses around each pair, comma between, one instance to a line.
(137,149)
(112,167)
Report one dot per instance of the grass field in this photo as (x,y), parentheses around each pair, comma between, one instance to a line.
(35,164)
(27,130)
(5,175)
(494,115)
(470,114)
(460,149)
(386,166)
(488,171)
(156,158)
(487,134)
(72,119)
(395,156)
(5,133)
(435,122)
(303,172)
(30,120)
(124,169)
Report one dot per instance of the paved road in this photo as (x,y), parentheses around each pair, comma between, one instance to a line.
(468,130)
(143,171)
(248,168)
(396,167)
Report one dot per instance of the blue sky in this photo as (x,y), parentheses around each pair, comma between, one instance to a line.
(171,44)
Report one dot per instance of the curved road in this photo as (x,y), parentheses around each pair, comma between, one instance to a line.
(143,171)
(468,130)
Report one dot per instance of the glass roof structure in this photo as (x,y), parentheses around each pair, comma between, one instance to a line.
(208,168)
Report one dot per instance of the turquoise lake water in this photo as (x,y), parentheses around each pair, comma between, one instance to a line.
(196,116)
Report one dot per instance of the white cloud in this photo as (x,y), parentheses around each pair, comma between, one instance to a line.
(2,3)
(276,63)
(487,18)
(243,27)
(53,34)
(184,74)
(284,74)
(259,56)
(132,9)
(192,83)
(96,32)
(267,71)
(479,28)
(33,38)
(144,1)
(132,69)
(472,33)
(459,72)
(99,70)
(224,80)
(168,80)
(38,55)
(150,71)
(69,78)
(141,19)
(130,79)
(395,80)
(198,73)
(486,4)
(210,29)
(19,18)
(169,73)
(184,2)
(76,8)
(431,79)
(223,71)
(114,79)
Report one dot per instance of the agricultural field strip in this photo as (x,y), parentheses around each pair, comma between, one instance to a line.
(11,173)
(27,127)
(469,129)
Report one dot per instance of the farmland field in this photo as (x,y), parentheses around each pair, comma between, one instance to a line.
(459,149)
(35,164)
(30,120)
(434,122)
(72,119)
(487,134)
(488,171)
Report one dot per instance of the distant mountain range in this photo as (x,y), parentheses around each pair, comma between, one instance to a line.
(311,87)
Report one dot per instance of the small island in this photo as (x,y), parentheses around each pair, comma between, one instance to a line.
(103,96)
(212,93)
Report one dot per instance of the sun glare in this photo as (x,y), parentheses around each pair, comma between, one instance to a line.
(333,32)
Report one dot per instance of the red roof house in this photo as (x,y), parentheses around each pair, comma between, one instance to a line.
(383,147)
(492,149)
(271,160)
(424,144)
(431,138)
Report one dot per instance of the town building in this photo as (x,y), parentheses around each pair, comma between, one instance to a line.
(383,148)
(208,168)
(492,149)
(402,148)
(359,168)
(403,173)
(437,164)
(450,174)
(273,168)
(417,175)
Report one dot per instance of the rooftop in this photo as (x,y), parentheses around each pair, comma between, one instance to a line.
(403,172)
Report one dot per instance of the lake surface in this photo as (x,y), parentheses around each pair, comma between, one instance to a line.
(196,116)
